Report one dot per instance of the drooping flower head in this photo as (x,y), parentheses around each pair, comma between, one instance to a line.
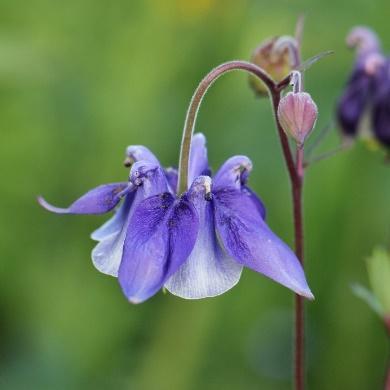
(368,89)
(196,243)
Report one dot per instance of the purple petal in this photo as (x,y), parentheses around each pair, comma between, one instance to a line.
(354,100)
(141,153)
(381,106)
(99,200)
(248,239)
(256,201)
(198,164)
(160,237)
(146,175)
(115,223)
(234,174)
(364,39)
(209,271)
(107,254)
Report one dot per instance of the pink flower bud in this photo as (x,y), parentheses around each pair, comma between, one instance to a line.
(297,114)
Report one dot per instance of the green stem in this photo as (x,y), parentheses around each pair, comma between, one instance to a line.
(193,109)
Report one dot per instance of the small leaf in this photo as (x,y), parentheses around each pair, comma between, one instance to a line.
(311,61)
(378,266)
(366,295)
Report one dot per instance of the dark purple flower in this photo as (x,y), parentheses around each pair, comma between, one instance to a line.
(195,244)
(381,106)
(368,89)
(355,99)
(361,84)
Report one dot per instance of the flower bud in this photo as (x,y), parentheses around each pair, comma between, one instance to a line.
(297,114)
(275,58)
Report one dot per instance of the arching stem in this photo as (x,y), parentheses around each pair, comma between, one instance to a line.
(196,101)
(296,81)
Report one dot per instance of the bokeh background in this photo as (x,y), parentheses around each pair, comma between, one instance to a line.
(82,79)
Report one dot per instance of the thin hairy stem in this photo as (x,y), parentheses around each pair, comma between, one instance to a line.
(196,101)
(296,81)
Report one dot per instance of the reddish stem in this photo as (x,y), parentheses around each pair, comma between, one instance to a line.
(296,174)
(283,137)
(299,250)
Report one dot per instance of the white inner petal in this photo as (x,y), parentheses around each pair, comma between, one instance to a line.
(209,271)
(107,254)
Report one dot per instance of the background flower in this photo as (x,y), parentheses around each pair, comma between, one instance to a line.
(367,93)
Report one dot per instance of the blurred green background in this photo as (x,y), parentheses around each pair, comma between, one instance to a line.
(79,81)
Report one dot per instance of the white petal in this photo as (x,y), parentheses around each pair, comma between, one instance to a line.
(107,254)
(208,271)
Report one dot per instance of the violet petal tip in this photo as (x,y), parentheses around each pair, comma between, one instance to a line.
(49,207)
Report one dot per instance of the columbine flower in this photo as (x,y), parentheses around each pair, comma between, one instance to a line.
(367,90)
(195,244)
(231,233)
